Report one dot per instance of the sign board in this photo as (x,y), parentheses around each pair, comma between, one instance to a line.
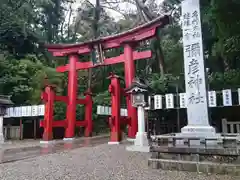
(182,100)
(41,110)
(158,102)
(34,111)
(194,69)
(105,110)
(212,99)
(169,101)
(227,97)
(25,111)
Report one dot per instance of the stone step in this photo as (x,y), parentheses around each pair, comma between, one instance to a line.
(194,166)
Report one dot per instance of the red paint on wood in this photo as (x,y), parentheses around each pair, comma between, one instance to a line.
(72,97)
(108,61)
(129,69)
(137,34)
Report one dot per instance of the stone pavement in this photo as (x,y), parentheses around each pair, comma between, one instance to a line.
(101,162)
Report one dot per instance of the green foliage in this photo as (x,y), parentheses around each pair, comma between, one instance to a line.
(25,78)
(229,79)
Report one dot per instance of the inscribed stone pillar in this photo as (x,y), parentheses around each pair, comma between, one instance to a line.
(195,76)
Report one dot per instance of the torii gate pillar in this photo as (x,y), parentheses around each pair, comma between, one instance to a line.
(129,68)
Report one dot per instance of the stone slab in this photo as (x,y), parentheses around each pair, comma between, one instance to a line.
(138,148)
(193,166)
(113,143)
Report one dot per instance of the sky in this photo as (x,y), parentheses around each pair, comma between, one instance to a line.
(114,14)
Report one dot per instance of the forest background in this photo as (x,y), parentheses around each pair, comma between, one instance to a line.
(26,25)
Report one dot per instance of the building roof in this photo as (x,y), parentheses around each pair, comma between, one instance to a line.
(5,100)
(140,84)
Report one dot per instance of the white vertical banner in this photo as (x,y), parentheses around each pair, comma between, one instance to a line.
(194,69)
(212,99)
(24,111)
(28,111)
(18,112)
(41,110)
(126,112)
(182,100)
(34,111)
(15,112)
(158,102)
(11,112)
(99,109)
(169,99)
(122,112)
(106,110)
(239,96)
(227,97)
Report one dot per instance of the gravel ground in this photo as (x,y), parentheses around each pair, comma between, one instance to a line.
(102,162)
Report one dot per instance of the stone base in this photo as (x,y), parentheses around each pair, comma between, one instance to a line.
(141,139)
(198,132)
(130,139)
(47,142)
(193,166)
(138,148)
(113,143)
(140,144)
(2,139)
(68,139)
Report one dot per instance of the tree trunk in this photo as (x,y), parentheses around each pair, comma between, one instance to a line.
(95,35)
(148,17)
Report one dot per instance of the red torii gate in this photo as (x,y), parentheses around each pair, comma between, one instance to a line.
(129,40)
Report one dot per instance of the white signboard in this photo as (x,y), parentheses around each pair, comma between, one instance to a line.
(24,111)
(105,110)
(29,111)
(227,97)
(182,100)
(158,102)
(34,111)
(11,112)
(212,99)
(15,112)
(41,110)
(196,93)
(169,101)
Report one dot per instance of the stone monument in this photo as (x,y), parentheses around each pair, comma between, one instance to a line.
(195,75)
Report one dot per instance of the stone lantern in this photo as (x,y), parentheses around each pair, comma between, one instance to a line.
(5,102)
(139,92)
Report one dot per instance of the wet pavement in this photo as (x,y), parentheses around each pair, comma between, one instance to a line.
(16,154)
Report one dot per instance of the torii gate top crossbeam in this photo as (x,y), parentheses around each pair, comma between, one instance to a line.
(137,34)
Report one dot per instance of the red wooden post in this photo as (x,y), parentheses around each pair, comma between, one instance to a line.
(129,68)
(48,115)
(114,120)
(88,114)
(72,97)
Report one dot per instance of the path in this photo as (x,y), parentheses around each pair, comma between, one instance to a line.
(101,162)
